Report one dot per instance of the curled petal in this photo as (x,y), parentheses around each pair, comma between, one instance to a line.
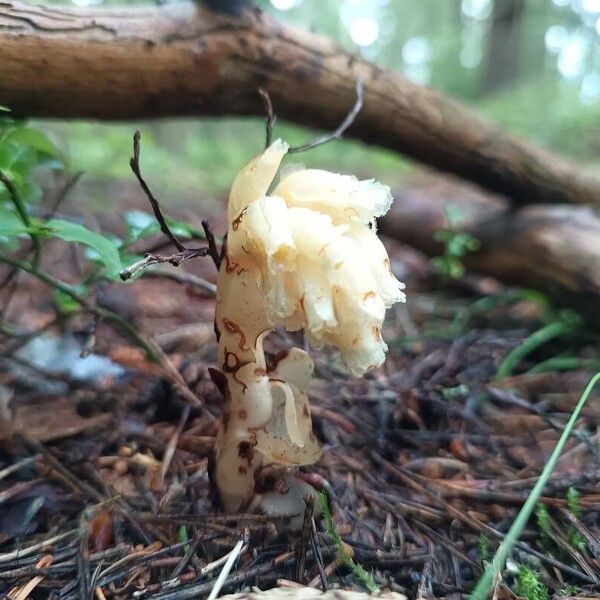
(360,343)
(254,178)
(284,294)
(388,286)
(287,438)
(266,225)
(344,197)
(296,367)
(318,301)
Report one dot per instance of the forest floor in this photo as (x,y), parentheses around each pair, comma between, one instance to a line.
(104,490)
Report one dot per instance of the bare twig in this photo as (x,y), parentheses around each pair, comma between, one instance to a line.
(22,552)
(84,302)
(172,445)
(343,126)
(63,193)
(134,162)
(155,259)
(90,339)
(10,284)
(213,250)
(270,116)
(182,253)
(209,289)
(231,558)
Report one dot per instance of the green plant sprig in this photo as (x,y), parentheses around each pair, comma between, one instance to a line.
(358,570)
(69,291)
(494,568)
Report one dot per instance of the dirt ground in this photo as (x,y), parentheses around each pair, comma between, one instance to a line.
(104,489)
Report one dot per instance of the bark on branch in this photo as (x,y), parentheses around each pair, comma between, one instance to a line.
(183,59)
(555,248)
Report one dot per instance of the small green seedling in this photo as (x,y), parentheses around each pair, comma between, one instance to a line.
(358,570)
(456,245)
(528,584)
(575,537)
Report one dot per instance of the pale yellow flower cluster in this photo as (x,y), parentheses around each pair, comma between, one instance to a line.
(313,245)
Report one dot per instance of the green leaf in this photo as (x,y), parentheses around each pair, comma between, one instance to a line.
(10,223)
(30,192)
(74,232)
(64,302)
(4,108)
(33,138)
(141,224)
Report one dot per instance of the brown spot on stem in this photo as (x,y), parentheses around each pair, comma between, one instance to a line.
(236,222)
(243,414)
(260,372)
(369,295)
(376,332)
(234,329)
(246,451)
(242,470)
(219,379)
(305,411)
(274,360)
(232,365)
(232,266)
(226,417)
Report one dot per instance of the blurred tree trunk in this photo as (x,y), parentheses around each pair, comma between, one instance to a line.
(185,59)
(549,247)
(504,44)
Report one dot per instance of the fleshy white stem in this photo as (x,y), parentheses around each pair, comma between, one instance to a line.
(247,399)
(304,256)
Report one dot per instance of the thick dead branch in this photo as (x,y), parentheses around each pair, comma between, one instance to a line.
(183,59)
(555,248)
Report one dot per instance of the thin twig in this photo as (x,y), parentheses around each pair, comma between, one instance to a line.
(155,259)
(21,552)
(213,250)
(231,558)
(410,481)
(10,283)
(208,288)
(151,348)
(343,126)
(64,192)
(183,253)
(89,345)
(85,303)
(270,116)
(317,554)
(172,445)
(134,162)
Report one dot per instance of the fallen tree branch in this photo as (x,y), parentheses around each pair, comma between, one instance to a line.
(555,248)
(184,59)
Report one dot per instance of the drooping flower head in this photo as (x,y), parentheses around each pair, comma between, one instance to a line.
(313,246)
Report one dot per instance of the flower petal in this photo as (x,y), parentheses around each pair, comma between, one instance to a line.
(254,178)
(343,197)
(374,251)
